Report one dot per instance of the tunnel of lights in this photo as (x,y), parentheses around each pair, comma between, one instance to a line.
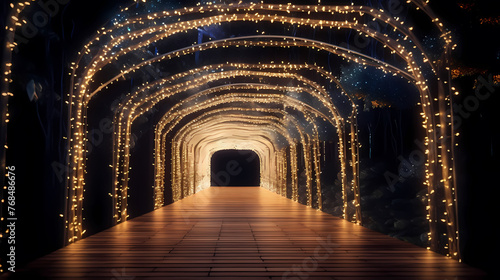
(282,109)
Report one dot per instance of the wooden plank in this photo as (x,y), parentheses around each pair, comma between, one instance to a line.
(243,233)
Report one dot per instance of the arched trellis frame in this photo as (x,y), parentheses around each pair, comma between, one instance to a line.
(165,92)
(211,77)
(435,101)
(220,88)
(194,134)
(241,132)
(321,95)
(277,126)
(278,116)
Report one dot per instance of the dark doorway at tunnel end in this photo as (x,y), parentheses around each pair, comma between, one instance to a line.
(235,168)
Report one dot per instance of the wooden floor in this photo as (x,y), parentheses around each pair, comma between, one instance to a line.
(243,233)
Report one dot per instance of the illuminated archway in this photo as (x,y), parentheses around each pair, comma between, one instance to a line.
(121,50)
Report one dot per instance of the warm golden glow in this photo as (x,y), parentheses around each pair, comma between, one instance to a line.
(225,121)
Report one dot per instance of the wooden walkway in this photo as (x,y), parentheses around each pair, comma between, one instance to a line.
(243,233)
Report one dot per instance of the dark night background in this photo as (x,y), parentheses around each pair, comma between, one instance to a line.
(37,147)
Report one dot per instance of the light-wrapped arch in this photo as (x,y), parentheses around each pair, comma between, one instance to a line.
(277,115)
(257,121)
(165,92)
(236,98)
(206,146)
(308,87)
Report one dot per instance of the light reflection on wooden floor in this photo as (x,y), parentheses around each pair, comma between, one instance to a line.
(243,233)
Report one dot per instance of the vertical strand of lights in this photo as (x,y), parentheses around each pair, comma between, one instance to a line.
(317,171)
(355,145)
(12,22)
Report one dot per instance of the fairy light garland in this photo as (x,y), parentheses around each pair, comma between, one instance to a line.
(121,121)
(243,128)
(279,121)
(228,98)
(200,122)
(12,22)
